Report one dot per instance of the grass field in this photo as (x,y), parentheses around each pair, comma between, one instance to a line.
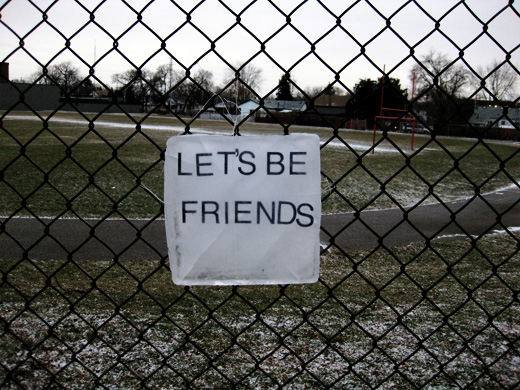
(69,166)
(428,316)
(441,316)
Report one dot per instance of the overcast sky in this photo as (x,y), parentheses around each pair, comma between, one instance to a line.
(340,49)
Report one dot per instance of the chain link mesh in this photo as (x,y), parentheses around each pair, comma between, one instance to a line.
(442,311)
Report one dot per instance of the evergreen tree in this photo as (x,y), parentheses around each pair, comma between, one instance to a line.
(284,88)
(366,103)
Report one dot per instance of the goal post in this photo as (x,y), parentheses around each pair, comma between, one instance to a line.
(382,110)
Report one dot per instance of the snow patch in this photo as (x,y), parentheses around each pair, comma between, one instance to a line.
(512,229)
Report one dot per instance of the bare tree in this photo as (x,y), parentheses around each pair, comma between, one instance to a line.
(194,89)
(162,82)
(329,89)
(242,84)
(135,84)
(161,79)
(498,81)
(165,77)
(440,85)
(64,74)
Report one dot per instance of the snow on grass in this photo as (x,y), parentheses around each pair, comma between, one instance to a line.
(339,332)
(510,229)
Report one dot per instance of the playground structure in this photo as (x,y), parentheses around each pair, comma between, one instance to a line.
(383,116)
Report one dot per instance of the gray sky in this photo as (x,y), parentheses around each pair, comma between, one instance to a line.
(287,48)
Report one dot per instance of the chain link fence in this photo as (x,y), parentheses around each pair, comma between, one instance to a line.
(420,263)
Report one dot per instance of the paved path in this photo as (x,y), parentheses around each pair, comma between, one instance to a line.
(423,223)
(142,239)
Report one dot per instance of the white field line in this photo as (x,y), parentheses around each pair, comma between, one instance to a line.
(512,229)
(498,191)
(114,124)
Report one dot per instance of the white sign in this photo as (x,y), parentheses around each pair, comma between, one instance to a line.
(243,210)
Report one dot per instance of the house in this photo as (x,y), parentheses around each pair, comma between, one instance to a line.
(499,121)
(333,111)
(284,105)
(488,114)
(175,104)
(271,105)
(335,105)
(248,107)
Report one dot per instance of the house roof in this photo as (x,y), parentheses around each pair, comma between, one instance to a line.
(293,105)
(486,114)
(248,102)
(279,105)
(331,101)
